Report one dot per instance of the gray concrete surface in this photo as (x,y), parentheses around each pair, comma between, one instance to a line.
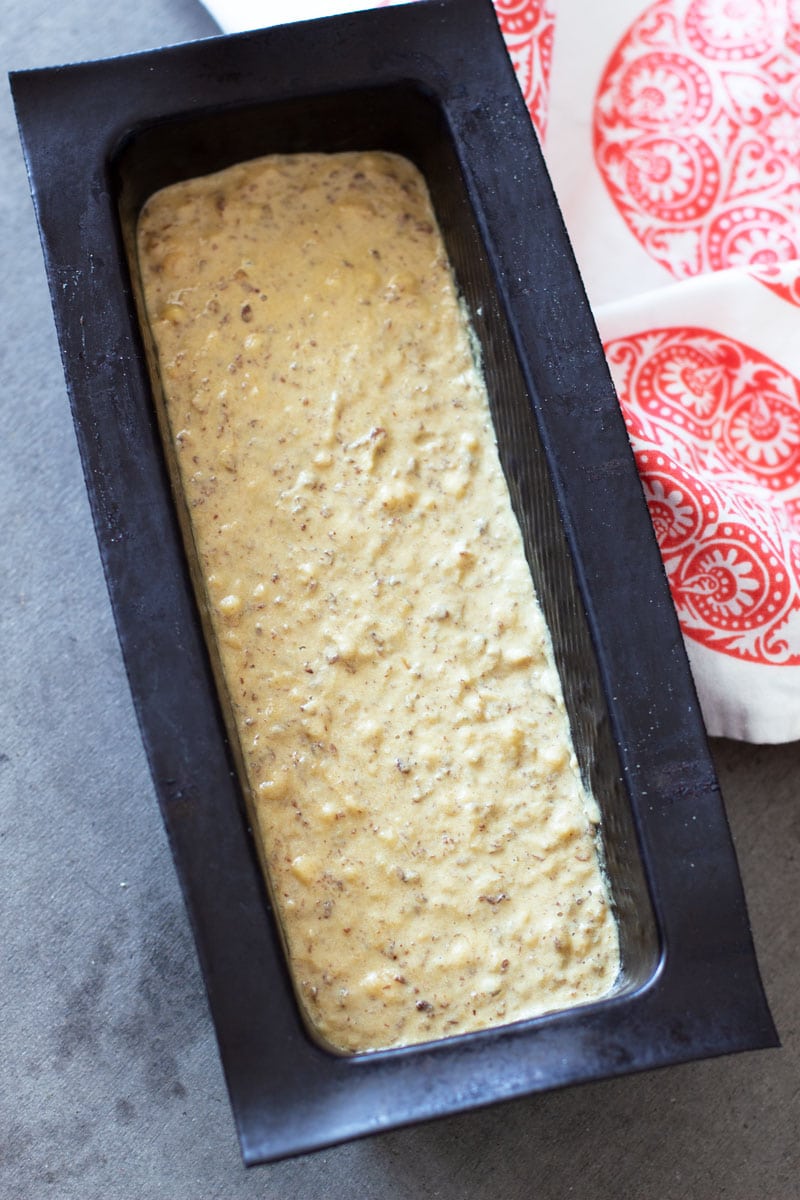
(110,1085)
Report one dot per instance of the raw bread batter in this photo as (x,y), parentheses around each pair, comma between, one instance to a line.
(430,849)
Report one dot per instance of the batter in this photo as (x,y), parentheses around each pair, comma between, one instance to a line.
(430,850)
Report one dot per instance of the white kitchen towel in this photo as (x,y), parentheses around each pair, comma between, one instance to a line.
(672,133)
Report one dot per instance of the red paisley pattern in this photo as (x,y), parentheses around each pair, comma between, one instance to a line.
(697,134)
(781,278)
(715,427)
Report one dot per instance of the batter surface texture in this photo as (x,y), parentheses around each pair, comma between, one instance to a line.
(430,849)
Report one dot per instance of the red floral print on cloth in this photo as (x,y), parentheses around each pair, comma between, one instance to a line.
(781,278)
(697,133)
(715,428)
(528,27)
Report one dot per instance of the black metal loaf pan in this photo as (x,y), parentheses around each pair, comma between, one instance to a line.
(431,81)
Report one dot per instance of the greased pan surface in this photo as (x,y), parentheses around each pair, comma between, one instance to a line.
(431,81)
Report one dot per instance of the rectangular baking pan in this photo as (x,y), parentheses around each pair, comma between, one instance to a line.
(432,81)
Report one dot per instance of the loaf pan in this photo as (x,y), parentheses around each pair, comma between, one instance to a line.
(431,81)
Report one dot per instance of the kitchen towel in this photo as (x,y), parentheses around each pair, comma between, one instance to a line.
(672,133)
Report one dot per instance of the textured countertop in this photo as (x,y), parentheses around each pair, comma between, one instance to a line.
(110,1084)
